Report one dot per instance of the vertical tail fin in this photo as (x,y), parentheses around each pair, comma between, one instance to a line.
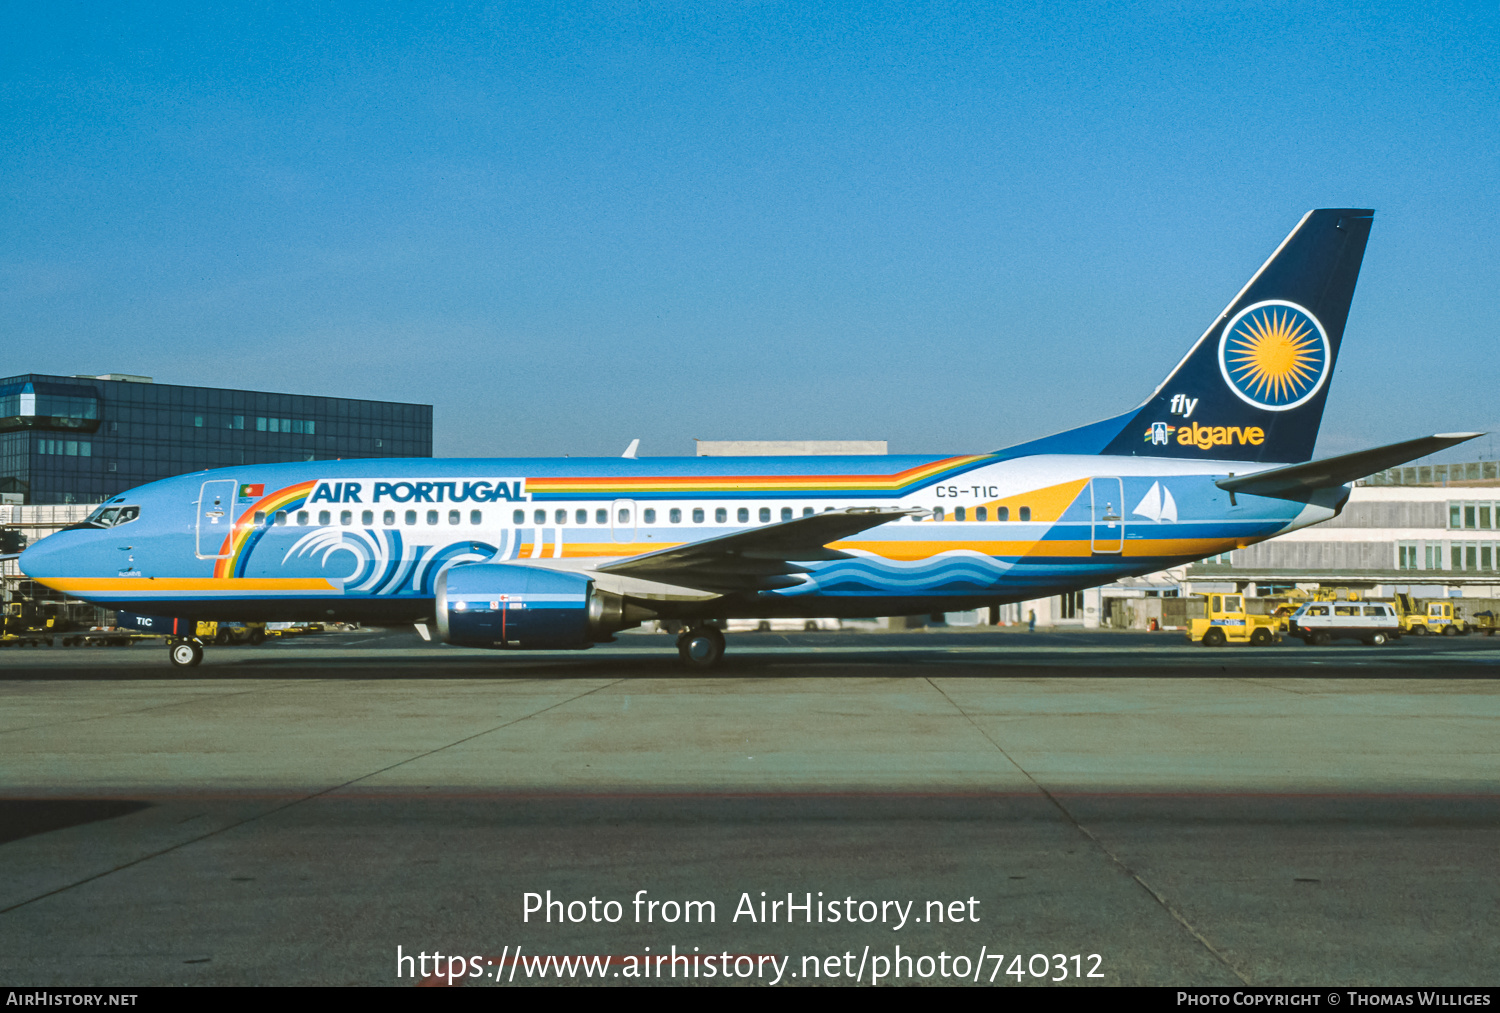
(1253,386)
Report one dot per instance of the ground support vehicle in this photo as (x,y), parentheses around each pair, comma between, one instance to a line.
(1229,622)
(1436,617)
(1484,622)
(780,625)
(233,633)
(1319,622)
(17,628)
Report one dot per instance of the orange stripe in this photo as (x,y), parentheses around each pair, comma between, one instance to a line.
(733,483)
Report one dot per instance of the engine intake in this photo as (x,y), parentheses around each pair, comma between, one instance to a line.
(505,605)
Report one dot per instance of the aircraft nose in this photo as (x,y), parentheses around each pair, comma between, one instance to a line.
(49,557)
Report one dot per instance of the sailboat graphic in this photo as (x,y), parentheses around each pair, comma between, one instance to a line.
(1157,505)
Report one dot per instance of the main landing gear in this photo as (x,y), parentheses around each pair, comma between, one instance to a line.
(701,646)
(185,653)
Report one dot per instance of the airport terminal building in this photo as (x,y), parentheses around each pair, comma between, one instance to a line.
(82,439)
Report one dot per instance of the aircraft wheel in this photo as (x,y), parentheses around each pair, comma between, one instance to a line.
(1376,639)
(186,654)
(1260,637)
(701,647)
(1321,639)
(1213,638)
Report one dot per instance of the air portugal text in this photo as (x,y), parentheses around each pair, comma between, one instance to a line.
(1205,437)
(447,491)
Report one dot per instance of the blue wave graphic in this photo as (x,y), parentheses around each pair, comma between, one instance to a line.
(952,573)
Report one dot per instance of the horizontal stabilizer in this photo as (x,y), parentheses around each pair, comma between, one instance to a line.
(1299,481)
(758,559)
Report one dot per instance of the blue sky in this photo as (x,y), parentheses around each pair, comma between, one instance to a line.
(953,227)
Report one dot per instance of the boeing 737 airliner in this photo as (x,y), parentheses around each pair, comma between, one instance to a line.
(558,554)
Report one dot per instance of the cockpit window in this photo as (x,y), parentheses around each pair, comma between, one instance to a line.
(107,516)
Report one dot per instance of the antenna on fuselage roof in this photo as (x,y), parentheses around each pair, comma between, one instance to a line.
(630,450)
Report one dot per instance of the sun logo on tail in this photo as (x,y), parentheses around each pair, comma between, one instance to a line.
(1274,355)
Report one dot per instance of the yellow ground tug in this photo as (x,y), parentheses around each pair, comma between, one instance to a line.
(1229,622)
(1437,617)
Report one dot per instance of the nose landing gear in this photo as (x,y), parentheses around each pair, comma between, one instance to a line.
(185,653)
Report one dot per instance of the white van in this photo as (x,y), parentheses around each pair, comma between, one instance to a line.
(1318,622)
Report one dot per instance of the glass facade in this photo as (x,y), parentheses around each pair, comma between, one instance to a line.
(81,440)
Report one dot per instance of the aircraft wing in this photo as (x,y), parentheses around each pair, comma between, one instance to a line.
(759,559)
(1299,481)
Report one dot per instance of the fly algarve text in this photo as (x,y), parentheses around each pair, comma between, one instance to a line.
(794,910)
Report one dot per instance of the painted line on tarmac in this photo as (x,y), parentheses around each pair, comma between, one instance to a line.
(1160,898)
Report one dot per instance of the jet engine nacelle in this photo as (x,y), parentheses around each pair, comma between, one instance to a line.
(505,605)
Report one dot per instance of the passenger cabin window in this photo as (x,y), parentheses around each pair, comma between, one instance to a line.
(411,517)
(721,515)
(540,516)
(388,518)
(260,517)
(324,517)
(281,517)
(367,517)
(981,513)
(675,516)
(624,515)
(1026,513)
(302,518)
(601,516)
(697,515)
(432,517)
(765,515)
(346,517)
(1002,513)
(561,517)
(648,515)
(580,517)
(960,513)
(786,513)
(938,514)
(476,517)
(519,517)
(454,517)
(808,511)
(743,515)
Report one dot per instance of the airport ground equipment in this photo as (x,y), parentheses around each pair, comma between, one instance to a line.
(21,627)
(1433,618)
(1320,622)
(1229,621)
